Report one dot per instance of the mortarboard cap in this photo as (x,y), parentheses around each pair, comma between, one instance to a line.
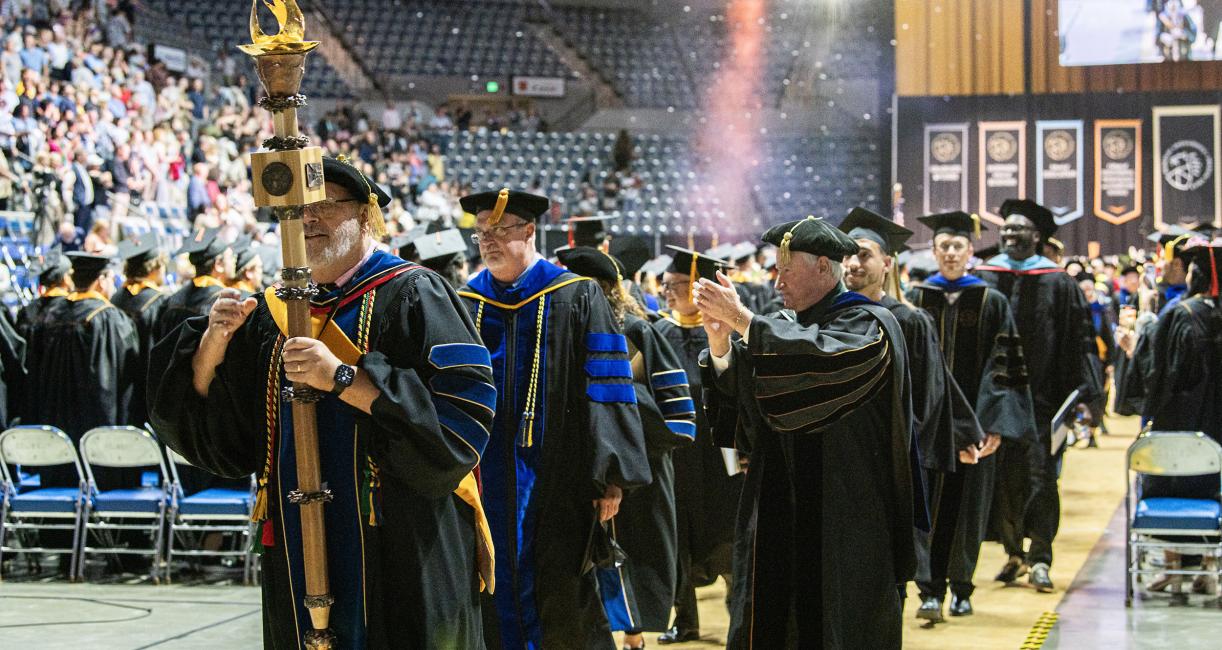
(589,231)
(52,268)
(438,249)
(203,245)
(864,224)
(657,266)
(139,249)
(1207,259)
(685,261)
(1038,214)
(88,263)
(631,251)
(722,252)
(958,223)
(1167,235)
(405,245)
(244,252)
(523,204)
(810,235)
(742,250)
(591,262)
(1205,229)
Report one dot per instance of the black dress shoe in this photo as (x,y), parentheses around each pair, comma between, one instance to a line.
(931,610)
(1039,578)
(1012,570)
(675,635)
(960,606)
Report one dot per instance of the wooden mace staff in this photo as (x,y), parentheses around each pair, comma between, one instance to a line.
(289,177)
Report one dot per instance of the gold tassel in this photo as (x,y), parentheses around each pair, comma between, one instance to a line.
(377,223)
(976,225)
(691,288)
(1169,249)
(258,512)
(783,256)
(502,200)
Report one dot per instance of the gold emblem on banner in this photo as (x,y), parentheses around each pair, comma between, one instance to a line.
(1059,145)
(1001,146)
(1117,144)
(945,147)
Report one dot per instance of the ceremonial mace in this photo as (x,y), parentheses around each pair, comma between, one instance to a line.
(288,177)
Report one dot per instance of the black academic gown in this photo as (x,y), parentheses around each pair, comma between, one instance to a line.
(829,490)
(646,525)
(143,304)
(193,299)
(943,417)
(1058,342)
(402,533)
(12,371)
(82,355)
(1185,386)
(980,344)
(566,426)
(706,496)
(31,312)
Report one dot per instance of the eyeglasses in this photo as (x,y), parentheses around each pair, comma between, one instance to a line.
(495,233)
(677,287)
(329,205)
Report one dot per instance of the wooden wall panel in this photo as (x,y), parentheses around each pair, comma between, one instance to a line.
(975,47)
(959,47)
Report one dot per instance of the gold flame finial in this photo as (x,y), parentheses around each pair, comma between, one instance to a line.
(290,38)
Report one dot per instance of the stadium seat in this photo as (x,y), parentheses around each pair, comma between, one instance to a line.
(214,510)
(1170,523)
(26,506)
(125,504)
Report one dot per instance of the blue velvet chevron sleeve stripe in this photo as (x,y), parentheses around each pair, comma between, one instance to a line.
(668,379)
(608,371)
(454,355)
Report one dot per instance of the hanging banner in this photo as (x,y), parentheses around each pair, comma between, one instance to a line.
(1003,166)
(945,168)
(1118,178)
(1188,188)
(1058,168)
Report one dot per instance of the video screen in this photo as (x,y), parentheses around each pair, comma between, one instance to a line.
(1112,32)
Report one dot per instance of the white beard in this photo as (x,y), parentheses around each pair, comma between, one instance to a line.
(346,237)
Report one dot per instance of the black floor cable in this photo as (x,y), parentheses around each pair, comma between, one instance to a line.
(144,612)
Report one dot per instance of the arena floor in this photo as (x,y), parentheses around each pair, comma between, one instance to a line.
(1089,560)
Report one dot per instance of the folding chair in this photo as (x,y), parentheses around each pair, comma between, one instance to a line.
(111,511)
(1170,453)
(214,510)
(27,506)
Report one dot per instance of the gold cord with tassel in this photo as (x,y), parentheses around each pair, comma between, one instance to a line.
(976,225)
(532,391)
(502,200)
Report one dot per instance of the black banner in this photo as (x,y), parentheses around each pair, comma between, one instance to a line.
(1188,188)
(1058,170)
(1003,166)
(945,176)
(1118,173)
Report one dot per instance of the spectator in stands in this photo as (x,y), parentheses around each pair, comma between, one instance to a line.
(33,57)
(71,238)
(197,190)
(118,28)
(10,60)
(7,180)
(99,239)
(199,103)
(80,192)
(392,120)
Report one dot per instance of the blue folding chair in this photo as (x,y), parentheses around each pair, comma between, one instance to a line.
(138,507)
(1168,523)
(26,506)
(215,510)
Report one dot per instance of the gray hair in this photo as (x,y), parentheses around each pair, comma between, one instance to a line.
(836,269)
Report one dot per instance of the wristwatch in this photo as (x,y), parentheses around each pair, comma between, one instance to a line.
(344,376)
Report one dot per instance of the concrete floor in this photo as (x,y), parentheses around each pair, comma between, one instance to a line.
(41,612)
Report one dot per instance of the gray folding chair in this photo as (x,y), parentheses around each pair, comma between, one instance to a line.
(215,510)
(26,506)
(113,509)
(1151,522)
